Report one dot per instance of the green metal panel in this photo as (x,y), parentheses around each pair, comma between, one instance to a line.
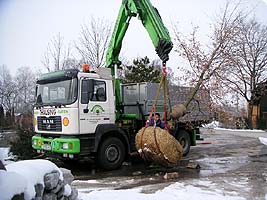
(58,142)
(56,145)
(194,142)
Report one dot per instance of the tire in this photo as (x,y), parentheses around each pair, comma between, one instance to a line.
(184,139)
(111,154)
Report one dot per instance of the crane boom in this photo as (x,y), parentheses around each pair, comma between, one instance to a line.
(152,22)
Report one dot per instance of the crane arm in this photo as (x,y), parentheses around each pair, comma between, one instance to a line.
(152,22)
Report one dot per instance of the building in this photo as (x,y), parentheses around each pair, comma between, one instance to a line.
(259,107)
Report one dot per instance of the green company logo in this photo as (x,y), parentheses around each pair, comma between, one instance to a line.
(97,109)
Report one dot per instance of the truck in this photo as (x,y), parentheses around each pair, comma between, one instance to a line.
(90,114)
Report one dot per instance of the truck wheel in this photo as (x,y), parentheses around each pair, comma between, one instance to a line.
(184,139)
(111,154)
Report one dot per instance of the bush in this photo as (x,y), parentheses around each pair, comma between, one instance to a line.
(22,147)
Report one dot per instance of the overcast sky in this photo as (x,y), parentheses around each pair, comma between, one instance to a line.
(27,26)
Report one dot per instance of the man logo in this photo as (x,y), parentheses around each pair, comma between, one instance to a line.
(48,121)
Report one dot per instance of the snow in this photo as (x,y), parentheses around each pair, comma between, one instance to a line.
(67,190)
(29,173)
(216,125)
(263,140)
(172,192)
(8,179)
(241,130)
(213,124)
(88,181)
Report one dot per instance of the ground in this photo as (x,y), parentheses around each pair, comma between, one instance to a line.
(233,165)
(233,162)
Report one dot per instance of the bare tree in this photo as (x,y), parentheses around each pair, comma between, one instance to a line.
(25,86)
(8,90)
(71,63)
(247,66)
(93,42)
(57,56)
(206,60)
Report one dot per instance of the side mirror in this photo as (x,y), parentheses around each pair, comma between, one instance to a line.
(86,110)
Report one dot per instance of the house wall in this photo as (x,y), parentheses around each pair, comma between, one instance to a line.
(262,120)
(255,116)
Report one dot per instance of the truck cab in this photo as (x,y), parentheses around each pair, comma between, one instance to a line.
(73,113)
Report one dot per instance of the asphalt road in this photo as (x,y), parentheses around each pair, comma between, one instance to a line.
(232,161)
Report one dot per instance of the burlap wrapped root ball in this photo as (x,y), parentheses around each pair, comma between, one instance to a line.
(158,146)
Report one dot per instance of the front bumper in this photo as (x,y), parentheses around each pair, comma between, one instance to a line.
(56,145)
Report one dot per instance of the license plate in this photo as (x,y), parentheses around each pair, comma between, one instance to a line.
(46,147)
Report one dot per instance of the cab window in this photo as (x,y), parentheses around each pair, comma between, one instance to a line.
(93,90)
(99,91)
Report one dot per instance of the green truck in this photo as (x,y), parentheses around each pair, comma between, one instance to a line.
(91,115)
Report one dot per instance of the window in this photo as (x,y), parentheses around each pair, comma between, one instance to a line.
(58,92)
(93,90)
(99,91)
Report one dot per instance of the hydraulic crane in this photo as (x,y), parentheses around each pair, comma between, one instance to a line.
(152,22)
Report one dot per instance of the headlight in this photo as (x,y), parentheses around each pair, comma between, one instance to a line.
(34,142)
(65,146)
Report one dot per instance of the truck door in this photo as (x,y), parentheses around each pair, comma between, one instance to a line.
(93,105)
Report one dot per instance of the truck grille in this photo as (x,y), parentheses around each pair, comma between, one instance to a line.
(52,123)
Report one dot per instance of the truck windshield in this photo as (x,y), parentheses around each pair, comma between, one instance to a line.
(57,93)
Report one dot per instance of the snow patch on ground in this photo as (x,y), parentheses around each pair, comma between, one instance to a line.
(172,192)
(241,130)
(216,125)
(213,124)
(88,181)
(263,140)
